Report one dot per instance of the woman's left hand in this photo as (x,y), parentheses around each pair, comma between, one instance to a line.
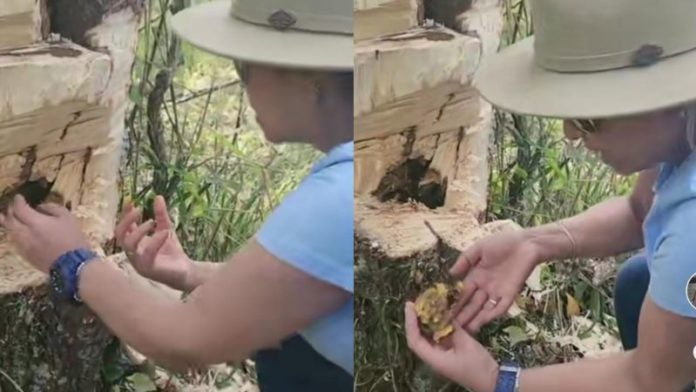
(467,362)
(44,234)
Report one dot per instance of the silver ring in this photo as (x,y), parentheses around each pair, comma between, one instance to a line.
(494,302)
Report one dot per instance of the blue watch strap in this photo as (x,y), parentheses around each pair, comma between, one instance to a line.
(66,272)
(508,377)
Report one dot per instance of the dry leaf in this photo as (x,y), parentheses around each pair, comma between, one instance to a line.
(572,307)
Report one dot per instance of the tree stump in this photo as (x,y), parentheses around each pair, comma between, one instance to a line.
(422,134)
(64,74)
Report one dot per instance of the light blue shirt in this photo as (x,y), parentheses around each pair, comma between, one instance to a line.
(670,237)
(312,230)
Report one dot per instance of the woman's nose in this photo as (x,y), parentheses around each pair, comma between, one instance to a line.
(571,132)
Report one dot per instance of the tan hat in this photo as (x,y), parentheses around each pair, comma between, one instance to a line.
(597,59)
(309,34)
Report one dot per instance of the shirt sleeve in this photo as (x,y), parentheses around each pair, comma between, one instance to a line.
(674,263)
(312,229)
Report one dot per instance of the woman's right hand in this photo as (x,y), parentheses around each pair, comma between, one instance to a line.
(158,256)
(494,271)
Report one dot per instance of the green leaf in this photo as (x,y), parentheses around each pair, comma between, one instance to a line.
(136,96)
(142,383)
(516,335)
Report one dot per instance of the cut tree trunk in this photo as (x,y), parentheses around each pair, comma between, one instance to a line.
(422,135)
(374,18)
(62,106)
(22,22)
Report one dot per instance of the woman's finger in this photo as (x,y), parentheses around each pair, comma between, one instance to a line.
(489,312)
(161,214)
(126,223)
(467,259)
(154,246)
(23,211)
(15,228)
(472,308)
(52,209)
(130,243)
(464,298)
(416,342)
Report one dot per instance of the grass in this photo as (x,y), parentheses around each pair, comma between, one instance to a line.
(192,138)
(536,177)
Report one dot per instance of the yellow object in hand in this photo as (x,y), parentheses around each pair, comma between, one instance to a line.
(433,309)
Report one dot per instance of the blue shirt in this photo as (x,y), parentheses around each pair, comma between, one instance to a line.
(312,230)
(670,237)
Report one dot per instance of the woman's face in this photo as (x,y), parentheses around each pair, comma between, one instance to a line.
(633,144)
(284,102)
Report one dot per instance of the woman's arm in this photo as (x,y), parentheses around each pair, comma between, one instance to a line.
(254,301)
(201,272)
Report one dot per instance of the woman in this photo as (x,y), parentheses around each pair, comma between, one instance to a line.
(286,296)
(629,66)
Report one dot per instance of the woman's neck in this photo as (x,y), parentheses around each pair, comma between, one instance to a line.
(336,128)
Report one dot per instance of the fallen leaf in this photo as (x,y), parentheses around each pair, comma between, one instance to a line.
(516,335)
(572,307)
(534,279)
(142,383)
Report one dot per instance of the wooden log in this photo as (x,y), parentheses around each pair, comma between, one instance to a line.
(429,111)
(483,19)
(374,18)
(415,79)
(61,125)
(22,22)
(373,158)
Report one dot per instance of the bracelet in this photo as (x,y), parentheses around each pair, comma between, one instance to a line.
(573,243)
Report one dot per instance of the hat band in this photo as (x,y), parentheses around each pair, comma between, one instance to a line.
(645,55)
(289,19)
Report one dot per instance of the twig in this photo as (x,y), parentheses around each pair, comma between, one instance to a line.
(13,382)
(204,92)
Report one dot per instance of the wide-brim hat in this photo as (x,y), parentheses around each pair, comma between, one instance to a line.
(597,59)
(304,34)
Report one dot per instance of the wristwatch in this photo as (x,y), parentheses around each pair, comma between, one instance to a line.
(508,378)
(65,273)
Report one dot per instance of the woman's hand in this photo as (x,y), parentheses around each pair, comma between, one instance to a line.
(42,235)
(158,256)
(466,362)
(494,271)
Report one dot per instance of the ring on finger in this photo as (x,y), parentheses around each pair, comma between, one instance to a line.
(492,301)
